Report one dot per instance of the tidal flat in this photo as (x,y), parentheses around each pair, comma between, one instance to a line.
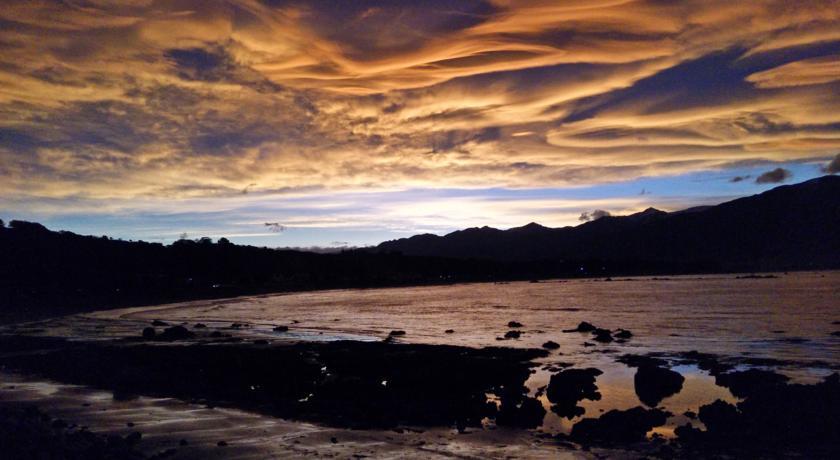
(683,366)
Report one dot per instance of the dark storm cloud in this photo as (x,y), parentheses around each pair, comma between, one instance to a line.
(774,176)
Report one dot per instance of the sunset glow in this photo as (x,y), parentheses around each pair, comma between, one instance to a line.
(351,123)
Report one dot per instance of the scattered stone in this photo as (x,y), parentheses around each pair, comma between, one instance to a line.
(334,440)
(512,334)
(602,335)
(582,327)
(199,326)
(449,331)
(216,334)
(222,444)
(149,333)
(623,334)
(396,333)
(281,329)
(836,333)
(514,324)
(551,345)
(130,424)
(182,442)
(588,344)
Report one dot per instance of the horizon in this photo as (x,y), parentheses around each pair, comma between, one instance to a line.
(292,124)
(589,217)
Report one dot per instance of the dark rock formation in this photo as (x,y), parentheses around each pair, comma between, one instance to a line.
(618,426)
(568,387)
(514,324)
(528,413)
(749,382)
(653,384)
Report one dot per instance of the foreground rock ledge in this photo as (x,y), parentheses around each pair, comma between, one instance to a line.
(348,384)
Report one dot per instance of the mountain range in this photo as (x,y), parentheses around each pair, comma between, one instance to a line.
(789,227)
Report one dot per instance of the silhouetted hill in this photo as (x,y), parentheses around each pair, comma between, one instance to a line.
(47,273)
(788,227)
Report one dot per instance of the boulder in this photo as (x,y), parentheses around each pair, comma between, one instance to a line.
(654,383)
(602,335)
(149,333)
(514,324)
(583,326)
(568,387)
(175,333)
(512,334)
(551,345)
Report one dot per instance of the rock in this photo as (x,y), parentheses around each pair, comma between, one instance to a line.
(836,333)
(512,334)
(281,329)
(182,442)
(175,333)
(568,387)
(602,335)
(199,326)
(222,444)
(654,383)
(149,333)
(746,383)
(618,426)
(334,440)
(260,342)
(588,344)
(514,324)
(690,414)
(216,334)
(582,327)
(396,333)
(623,334)
(236,325)
(529,413)
(551,345)
(159,323)
(449,331)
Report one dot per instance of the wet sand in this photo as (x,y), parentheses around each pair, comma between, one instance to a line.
(803,353)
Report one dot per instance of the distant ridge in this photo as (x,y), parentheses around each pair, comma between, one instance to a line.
(789,227)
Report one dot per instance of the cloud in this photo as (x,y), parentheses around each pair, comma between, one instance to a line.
(774,176)
(152,100)
(594,215)
(833,166)
(737,179)
(275,227)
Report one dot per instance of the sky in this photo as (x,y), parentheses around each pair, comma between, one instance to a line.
(347,123)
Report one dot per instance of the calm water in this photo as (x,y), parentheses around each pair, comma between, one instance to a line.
(785,318)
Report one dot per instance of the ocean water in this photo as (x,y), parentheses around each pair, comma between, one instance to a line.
(787,318)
